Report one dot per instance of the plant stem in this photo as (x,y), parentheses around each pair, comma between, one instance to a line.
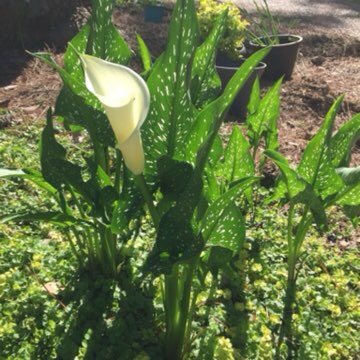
(172,312)
(140,181)
(294,246)
(100,152)
(177,301)
(117,170)
(286,325)
(177,290)
(185,320)
(73,248)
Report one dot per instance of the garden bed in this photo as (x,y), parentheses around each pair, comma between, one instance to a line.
(51,308)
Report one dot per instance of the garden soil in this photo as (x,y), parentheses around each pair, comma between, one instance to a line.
(328,66)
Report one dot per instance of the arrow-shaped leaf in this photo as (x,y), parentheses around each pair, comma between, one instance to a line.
(298,190)
(205,82)
(229,231)
(171,112)
(343,142)
(217,209)
(315,166)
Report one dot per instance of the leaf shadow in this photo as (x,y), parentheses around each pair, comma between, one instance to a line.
(107,319)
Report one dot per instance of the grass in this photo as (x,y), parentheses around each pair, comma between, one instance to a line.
(50,310)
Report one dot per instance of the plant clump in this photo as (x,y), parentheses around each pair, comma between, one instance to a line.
(236,25)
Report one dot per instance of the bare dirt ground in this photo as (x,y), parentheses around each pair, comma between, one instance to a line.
(328,66)
(342,15)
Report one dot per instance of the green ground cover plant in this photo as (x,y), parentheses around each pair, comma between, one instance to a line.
(164,243)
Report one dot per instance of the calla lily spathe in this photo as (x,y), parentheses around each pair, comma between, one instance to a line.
(126,101)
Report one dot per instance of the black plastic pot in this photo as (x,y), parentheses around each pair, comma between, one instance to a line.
(154,13)
(282,57)
(226,69)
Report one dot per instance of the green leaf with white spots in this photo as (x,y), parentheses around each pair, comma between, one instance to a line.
(105,40)
(263,122)
(229,231)
(50,149)
(31,175)
(145,55)
(78,44)
(294,183)
(205,129)
(129,205)
(297,189)
(78,106)
(211,189)
(173,175)
(343,142)
(316,166)
(255,97)
(59,172)
(176,241)
(216,151)
(238,162)
(217,209)
(353,213)
(205,81)
(351,176)
(171,111)
(350,194)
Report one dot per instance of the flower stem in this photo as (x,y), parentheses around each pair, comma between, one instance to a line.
(141,183)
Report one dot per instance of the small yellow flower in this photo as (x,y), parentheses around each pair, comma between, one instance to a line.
(256,267)
(335,309)
(328,349)
(266,333)
(239,306)
(142,356)
(275,319)
(224,349)
(260,284)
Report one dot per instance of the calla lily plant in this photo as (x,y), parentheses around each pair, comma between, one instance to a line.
(126,101)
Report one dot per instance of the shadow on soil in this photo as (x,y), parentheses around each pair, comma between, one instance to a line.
(105,321)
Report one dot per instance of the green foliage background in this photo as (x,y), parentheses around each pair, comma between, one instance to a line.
(116,325)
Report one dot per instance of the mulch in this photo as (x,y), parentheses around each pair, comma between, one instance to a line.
(328,66)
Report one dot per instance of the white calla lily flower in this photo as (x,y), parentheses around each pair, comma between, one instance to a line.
(126,101)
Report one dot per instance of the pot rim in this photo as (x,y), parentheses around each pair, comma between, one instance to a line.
(298,40)
(259,66)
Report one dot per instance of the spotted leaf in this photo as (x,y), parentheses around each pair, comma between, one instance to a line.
(238,162)
(171,113)
(204,131)
(263,121)
(229,231)
(316,166)
(205,81)
(216,211)
(343,142)
(350,194)
(144,53)
(297,189)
